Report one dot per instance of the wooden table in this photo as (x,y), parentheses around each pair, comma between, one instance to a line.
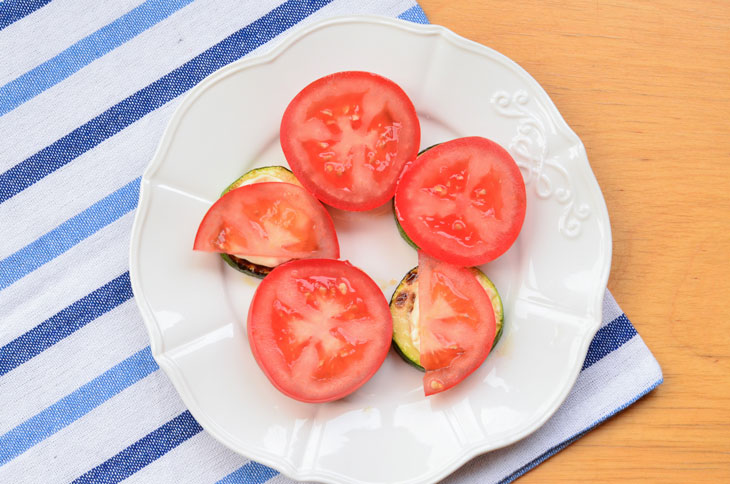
(646,85)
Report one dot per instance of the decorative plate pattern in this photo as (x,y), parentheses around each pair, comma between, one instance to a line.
(529,147)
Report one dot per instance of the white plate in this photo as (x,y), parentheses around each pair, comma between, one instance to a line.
(552,280)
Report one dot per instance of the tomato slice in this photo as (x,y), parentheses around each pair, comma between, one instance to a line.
(269,219)
(347,137)
(462,201)
(456,323)
(319,329)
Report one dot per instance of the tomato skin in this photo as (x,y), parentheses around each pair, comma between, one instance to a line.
(237,223)
(456,323)
(346,164)
(462,201)
(361,336)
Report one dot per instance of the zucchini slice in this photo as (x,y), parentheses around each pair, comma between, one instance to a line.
(246,266)
(264,174)
(258,175)
(404,309)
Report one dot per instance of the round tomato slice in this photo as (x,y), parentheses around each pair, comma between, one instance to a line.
(347,137)
(462,201)
(268,220)
(319,329)
(456,323)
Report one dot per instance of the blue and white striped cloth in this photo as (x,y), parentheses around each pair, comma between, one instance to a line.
(86,89)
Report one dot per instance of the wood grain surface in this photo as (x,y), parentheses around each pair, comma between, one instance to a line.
(646,85)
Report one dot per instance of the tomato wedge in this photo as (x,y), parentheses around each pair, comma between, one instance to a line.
(347,137)
(456,323)
(268,220)
(462,201)
(319,329)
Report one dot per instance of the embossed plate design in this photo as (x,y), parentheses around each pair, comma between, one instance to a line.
(552,280)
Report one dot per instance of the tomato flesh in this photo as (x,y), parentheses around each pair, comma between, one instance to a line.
(462,201)
(319,329)
(270,219)
(347,136)
(456,323)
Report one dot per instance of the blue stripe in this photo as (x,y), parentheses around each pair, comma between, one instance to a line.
(83,52)
(554,450)
(146,450)
(151,97)
(13,10)
(541,458)
(414,14)
(65,322)
(68,234)
(75,405)
(250,473)
(609,338)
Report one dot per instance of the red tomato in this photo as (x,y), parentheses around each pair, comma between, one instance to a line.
(456,323)
(347,136)
(319,329)
(268,220)
(462,201)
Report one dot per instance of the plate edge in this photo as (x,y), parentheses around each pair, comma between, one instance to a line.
(156,343)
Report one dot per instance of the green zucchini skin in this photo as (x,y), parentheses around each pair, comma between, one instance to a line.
(406,358)
(426,149)
(246,267)
(395,217)
(402,232)
(278,172)
(402,303)
(496,300)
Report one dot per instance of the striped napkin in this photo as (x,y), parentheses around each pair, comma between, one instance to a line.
(86,90)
